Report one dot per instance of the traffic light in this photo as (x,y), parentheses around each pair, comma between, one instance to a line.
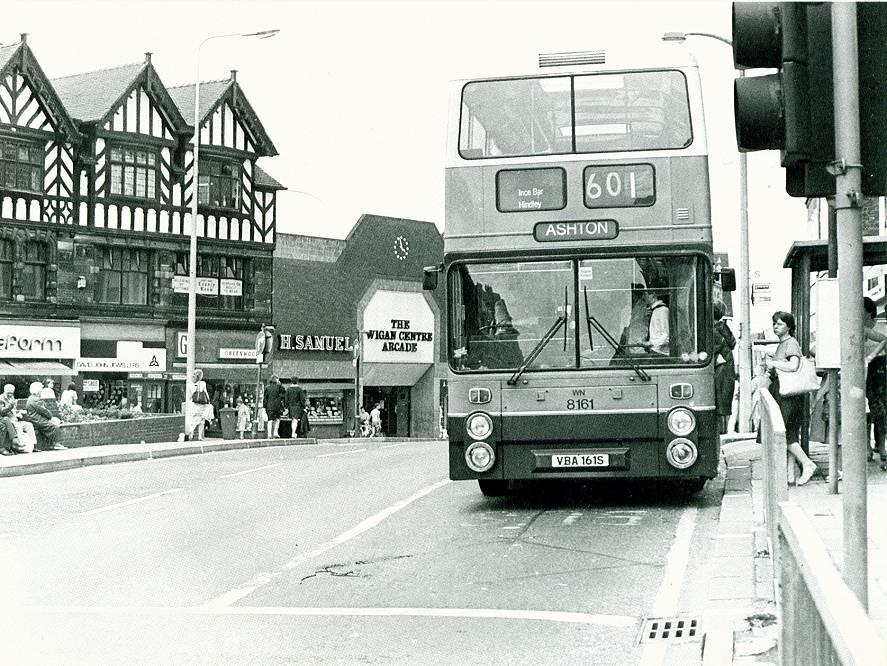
(871,31)
(791,110)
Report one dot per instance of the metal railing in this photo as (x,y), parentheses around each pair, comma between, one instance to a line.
(822,621)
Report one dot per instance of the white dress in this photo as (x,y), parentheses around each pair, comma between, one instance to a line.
(198,413)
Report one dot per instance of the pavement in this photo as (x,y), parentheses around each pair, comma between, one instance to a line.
(741,618)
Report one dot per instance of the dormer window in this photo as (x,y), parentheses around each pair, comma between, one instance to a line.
(219,184)
(133,172)
(21,165)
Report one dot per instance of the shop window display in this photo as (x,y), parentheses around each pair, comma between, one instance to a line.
(325,408)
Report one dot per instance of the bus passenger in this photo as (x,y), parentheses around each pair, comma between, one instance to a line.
(657,342)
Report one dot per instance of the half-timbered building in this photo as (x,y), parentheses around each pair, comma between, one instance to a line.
(96,186)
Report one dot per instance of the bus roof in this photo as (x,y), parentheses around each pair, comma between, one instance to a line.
(616,58)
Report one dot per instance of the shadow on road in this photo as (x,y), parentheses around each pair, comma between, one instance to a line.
(577,494)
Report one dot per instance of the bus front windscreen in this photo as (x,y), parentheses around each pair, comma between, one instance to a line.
(559,115)
(572,314)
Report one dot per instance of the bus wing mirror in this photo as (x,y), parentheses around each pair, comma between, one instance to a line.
(429,282)
(728,279)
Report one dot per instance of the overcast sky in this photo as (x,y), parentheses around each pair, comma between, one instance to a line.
(354,94)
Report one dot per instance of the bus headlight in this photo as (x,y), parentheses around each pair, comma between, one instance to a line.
(681,421)
(681,453)
(479,456)
(479,425)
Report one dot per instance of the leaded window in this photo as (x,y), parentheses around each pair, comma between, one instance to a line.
(133,172)
(21,166)
(7,251)
(219,184)
(123,276)
(36,256)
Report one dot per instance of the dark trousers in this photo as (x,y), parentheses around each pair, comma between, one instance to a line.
(7,426)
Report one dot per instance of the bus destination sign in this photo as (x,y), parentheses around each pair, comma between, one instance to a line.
(576,231)
(528,190)
(619,185)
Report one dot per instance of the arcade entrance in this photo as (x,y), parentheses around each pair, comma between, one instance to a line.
(395,406)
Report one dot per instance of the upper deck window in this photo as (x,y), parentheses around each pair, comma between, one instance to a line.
(593,113)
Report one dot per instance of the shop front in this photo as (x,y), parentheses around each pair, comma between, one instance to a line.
(119,360)
(34,351)
(228,361)
(328,383)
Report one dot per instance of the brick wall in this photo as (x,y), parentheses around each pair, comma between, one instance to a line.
(150,429)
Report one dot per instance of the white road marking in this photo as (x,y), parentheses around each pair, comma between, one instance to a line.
(666,602)
(391,446)
(261,579)
(340,453)
(249,471)
(130,502)
(572,518)
(486,613)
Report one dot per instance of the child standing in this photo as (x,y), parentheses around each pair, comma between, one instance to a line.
(244,417)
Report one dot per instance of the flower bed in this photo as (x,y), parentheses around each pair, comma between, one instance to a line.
(67,414)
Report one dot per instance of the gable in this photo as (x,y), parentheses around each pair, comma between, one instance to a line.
(225,128)
(139,113)
(27,98)
(145,107)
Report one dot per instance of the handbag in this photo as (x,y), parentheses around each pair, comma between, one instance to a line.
(803,380)
(200,398)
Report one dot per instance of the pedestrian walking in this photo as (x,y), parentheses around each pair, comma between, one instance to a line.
(787,358)
(200,407)
(296,403)
(274,403)
(244,417)
(376,419)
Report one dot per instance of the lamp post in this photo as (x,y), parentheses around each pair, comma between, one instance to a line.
(192,255)
(745,357)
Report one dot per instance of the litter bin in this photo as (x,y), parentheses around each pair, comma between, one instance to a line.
(229,422)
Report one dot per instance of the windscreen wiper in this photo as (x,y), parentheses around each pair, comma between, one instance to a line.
(591,320)
(555,327)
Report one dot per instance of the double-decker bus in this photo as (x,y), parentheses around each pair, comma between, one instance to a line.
(578,274)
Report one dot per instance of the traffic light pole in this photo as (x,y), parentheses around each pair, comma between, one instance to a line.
(745,358)
(848,192)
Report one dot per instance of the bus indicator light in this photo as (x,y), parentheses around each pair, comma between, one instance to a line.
(545,232)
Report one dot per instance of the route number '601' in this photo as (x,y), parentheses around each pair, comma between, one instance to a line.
(619,186)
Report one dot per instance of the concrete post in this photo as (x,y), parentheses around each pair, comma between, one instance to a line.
(848,193)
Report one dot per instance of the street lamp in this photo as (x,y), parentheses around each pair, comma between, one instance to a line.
(192,256)
(745,358)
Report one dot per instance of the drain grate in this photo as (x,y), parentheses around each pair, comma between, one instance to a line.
(674,629)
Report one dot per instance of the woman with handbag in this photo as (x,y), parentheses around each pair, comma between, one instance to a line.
(787,359)
(199,403)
